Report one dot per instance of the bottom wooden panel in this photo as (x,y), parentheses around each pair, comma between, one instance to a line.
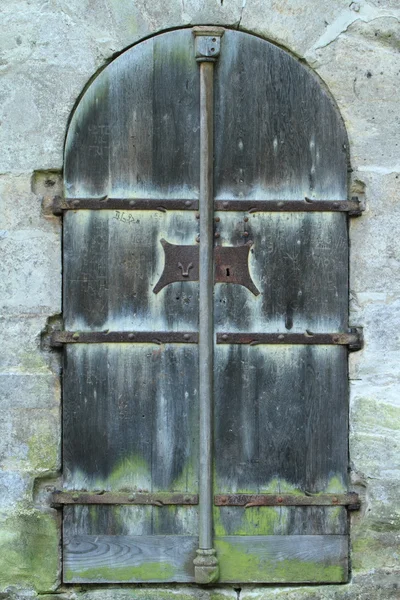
(283,559)
(129,558)
(243,559)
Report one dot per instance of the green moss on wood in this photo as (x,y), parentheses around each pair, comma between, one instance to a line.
(237,565)
(152,571)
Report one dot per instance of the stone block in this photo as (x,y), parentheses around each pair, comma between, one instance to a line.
(14,488)
(375,250)
(362,71)
(30,272)
(29,550)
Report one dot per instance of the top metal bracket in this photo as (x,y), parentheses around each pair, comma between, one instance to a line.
(207,43)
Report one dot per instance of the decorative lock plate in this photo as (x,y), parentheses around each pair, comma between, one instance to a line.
(182,264)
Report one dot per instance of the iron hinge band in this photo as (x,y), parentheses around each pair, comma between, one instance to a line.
(352,207)
(353,340)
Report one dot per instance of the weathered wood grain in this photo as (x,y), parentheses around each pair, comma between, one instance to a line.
(283,559)
(277,133)
(111,267)
(135,131)
(299,262)
(123,559)
(130,417)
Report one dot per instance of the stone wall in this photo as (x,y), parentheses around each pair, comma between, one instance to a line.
(50,49)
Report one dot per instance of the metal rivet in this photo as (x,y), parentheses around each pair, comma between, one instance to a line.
(335,500)
(75,497)
(188,203)
(225,336)
(217,234)
(246,219)
(75,203)
(335,204)
(225,204)
(186,336)
(223,499)
(280,499)
(197,238)
(75,336)
(245,234)
(131,336)
(217,219)
(281,337)
(186,499)
(197,215)
(132,203)
(131,498)
(280,204)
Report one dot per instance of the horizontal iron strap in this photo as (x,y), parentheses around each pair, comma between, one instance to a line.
(353,339)
(353,207)
(61,498)
(58,338)
(351,500)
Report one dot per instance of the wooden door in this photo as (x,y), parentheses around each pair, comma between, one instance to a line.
(132,450)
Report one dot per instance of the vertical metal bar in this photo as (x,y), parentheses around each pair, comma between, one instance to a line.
(206,310)
(207,51)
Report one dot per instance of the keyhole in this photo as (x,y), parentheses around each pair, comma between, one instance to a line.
(227,273)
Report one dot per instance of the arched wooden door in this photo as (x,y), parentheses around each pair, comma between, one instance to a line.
(205,440)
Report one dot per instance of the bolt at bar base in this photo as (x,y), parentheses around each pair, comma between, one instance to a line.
(206,569)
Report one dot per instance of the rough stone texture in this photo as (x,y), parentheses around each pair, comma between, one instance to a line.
(50,50)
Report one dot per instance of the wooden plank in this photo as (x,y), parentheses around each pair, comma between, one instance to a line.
(129,559)
(112,266)
(280,419)
(283,559)
(135,130)
(130,520)
(294,143)
(265,520)
(299,264)
(130,416)
(243,559)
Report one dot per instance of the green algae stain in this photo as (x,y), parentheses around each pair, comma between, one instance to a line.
(152,571)
(263,520)
(29,551)
(238,565)
(43,448)
(335,486)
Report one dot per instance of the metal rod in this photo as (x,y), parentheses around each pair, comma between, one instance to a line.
(58,338)
(206,298)
(123,206)
(351,500)
(70,497)
(354,339)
